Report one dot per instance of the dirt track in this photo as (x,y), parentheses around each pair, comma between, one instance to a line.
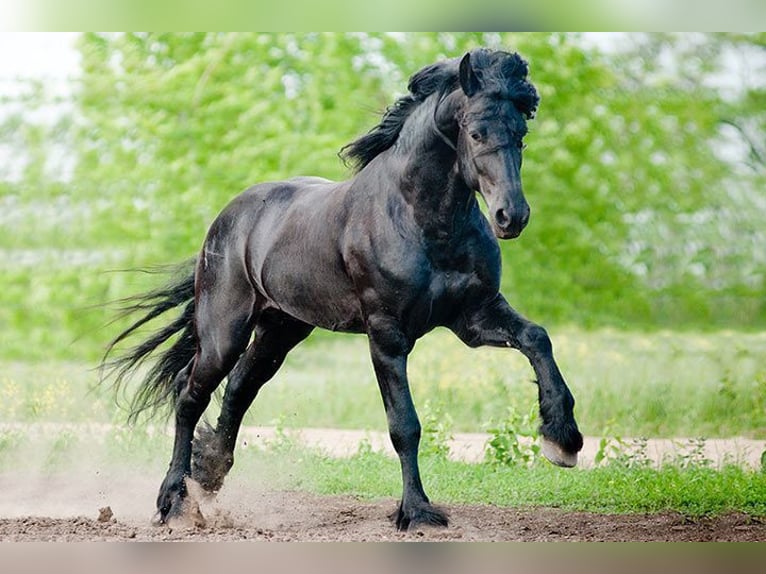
(292,516)
(65,506)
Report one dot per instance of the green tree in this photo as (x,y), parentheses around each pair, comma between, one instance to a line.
(638,218)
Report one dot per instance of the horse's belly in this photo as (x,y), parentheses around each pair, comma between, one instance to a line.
(322,310)
(314,293)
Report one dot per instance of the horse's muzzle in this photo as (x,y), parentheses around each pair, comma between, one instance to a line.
(509,224)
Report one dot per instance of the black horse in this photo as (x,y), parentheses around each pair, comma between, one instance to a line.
(397,250)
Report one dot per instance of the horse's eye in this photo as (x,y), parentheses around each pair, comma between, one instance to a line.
(476,136)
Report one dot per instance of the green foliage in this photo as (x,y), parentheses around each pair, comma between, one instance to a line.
(626,385)
(436,431)
(9,443)
(692,455)
(514,440)
(615,452)
(637,218)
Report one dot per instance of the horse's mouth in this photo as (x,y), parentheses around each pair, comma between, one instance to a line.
(506,233)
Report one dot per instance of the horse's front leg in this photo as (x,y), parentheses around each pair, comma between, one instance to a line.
(496,323)
(389,349)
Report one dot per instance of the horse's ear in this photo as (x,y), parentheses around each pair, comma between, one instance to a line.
(469,81)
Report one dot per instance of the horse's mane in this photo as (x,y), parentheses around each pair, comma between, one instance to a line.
(500,74)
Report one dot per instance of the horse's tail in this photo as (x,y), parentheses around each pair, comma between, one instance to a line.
(157,388)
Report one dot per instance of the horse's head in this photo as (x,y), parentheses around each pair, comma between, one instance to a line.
(497,100)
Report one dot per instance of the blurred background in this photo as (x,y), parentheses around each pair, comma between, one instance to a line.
(645,166)
(645,257)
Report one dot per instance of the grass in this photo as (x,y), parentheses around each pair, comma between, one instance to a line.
(692,491)
(626,384)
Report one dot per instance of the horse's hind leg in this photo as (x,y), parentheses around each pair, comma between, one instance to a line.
(223,324)
(213,451)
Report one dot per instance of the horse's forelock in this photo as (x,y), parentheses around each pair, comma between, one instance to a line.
(501,74)
(504,75)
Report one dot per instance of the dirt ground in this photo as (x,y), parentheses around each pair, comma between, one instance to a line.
(93,503)
(298,516)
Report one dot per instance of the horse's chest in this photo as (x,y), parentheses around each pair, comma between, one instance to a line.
(452,287)
(465,273)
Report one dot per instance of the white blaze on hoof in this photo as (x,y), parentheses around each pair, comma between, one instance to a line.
(558,455)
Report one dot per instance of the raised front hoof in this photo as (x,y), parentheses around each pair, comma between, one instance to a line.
(210,464)
(557,455)
(418,515)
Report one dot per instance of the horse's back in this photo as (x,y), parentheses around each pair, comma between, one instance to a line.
(287,234)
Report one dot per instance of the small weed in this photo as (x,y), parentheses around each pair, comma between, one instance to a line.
(282,441)
(365,448)
(436,431)
(609,449)
(9,442)
(60,451)
(691,454)
(514,440)
(620,453)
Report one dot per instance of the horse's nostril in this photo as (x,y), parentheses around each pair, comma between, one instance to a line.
(525,218)
(502,218)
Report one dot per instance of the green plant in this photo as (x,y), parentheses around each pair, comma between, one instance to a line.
(609,449)
(436,431)
(692,491)
(691,454)
(616,452)
(60,450)
(9,444)
(282,441)
(514,439)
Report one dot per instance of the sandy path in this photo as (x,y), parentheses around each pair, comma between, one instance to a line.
(468,447)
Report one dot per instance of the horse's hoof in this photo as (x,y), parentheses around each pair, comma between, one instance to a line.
(164,516)
(183,513)
(558,455)
(170,500)
(421,515)
(167,513)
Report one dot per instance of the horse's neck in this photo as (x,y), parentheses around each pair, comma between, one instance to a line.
(431,183)
(426,159)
